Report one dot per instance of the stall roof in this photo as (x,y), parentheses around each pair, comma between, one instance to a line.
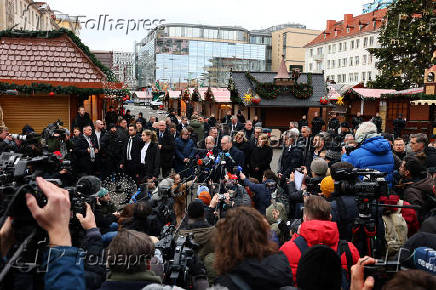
(243,84)
(371,93)
(222,95)
(143,95)
(409,91)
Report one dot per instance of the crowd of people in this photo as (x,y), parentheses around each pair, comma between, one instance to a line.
(254,228)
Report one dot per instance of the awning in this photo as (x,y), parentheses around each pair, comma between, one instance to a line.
(222,95)
(409,91)
(371,93)
(423,102)
(174,94)
(143,94)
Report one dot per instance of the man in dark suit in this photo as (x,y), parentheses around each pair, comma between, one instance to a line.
(183,124)
(235,126)
(85,149)
(237,156)
(166,147)
(111,116)
(82,119)
(130,158)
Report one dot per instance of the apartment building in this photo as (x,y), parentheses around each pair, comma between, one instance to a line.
(341,50)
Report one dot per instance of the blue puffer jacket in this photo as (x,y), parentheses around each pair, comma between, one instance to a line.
(374,153)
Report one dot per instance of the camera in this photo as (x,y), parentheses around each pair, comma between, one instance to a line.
(348,182)
(179,254)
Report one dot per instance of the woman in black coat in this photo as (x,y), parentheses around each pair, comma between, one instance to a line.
(240,142)
(261,158)
(149,156)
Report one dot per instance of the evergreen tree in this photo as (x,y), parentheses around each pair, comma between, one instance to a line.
(407,39)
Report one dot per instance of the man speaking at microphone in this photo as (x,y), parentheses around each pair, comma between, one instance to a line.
(235,155)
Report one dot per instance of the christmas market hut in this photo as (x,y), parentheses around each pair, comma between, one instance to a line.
(279,97)
(47,75)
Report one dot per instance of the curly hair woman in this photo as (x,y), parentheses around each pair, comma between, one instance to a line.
(245,255)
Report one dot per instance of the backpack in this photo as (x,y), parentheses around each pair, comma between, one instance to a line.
(343,247)
(395,231)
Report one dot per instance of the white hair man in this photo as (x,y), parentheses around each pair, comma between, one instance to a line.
(374,151)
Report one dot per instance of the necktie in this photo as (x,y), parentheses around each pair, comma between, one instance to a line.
(129,148)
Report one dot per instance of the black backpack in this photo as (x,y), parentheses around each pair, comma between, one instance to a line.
(343,247)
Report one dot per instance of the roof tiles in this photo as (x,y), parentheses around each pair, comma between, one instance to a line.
(40,59)
(339,30)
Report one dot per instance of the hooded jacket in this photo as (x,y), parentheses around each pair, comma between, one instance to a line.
(316,232)
(203,235)
(416,192)
(374,153)
(272,272)
(198,128)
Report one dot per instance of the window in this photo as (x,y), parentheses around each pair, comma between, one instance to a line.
(344,78)
(311,52)
(344,62)
(340,47)
(328,64)
(352,44)
(365,42)
(351,61)
(356,60)
(348,29)
(319,66)
(330,49)
(363,76)
(357,43)
(371,41)
(369,76)
(339,78)
(364,60)
(336,33)
(369,58)
(334,48)
(350,77)
(356,77)
(310,67)
(319,51)
(345,46)
(333,64)
(339,62)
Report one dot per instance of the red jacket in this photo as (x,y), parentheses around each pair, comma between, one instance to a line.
(316,232)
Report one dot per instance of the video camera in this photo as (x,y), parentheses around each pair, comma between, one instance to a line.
(179,254)
(348,182)
(55,130)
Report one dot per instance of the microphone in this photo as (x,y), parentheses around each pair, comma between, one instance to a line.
(227,154)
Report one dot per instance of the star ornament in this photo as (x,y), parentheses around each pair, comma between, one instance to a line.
(247,97)
(340,101)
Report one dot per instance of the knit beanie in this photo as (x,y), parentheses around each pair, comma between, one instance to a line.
(196,209)
(319,268)
(319,166)
(102,192)
(327,186)
(203,194)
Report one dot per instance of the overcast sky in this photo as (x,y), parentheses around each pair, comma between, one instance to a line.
(252,14)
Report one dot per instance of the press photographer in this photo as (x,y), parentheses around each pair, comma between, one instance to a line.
(318,169)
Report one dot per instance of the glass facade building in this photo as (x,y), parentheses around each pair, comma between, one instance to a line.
(200,55)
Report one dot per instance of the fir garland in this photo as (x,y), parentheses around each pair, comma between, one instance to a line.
(195,95)
(70,90)
(208,96)
(270,91)
(234,95)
